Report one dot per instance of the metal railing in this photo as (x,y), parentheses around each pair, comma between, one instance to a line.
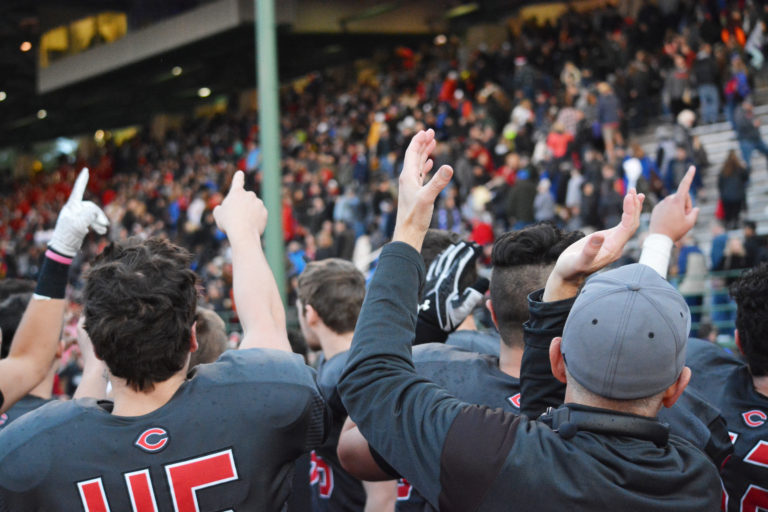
(713,306)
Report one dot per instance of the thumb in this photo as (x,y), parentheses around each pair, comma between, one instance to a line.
(591,249)
(691,216)
(438,182)
(98,221)
(238,181)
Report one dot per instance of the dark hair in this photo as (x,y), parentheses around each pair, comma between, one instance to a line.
(749,291)
(12,286)
(211,337)
(335,289)
(11,311)
(732,164)
(140,299)
(435,242)
(522,261)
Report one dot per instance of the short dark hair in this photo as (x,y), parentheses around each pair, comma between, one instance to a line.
(140,299)
(211,337)
(522,261)
(11,311)
(749,291)
(335,289)
(435,241)
(438,240)
(11,286)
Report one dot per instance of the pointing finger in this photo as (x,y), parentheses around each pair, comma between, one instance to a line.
(79,187)
(685,184)
(238,181)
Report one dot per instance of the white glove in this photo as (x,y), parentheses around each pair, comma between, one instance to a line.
(75,219)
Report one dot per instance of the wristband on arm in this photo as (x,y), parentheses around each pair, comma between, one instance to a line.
(656,252)
(52,280)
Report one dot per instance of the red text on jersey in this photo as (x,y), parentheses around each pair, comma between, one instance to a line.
(320,473)
(184,479)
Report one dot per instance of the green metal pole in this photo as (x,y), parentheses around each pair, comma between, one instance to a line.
(269,121)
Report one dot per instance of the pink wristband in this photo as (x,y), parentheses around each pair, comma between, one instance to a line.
(58,257)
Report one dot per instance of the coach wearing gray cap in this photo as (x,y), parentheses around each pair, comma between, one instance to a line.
(621,355)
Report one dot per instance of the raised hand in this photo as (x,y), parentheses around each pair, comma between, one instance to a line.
(675,215)
(75,218)
(241,211)
(416,200)
(593,252)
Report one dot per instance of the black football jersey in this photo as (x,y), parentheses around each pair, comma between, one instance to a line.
(227,440)
(332,488)
(22,407)
(725,380)
(475,341)
(469,376)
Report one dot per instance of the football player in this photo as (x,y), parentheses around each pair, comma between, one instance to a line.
(329,296)
(739,388)
(224,437)
(36,340)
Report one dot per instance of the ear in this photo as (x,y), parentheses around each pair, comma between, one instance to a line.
(489,307)
(311,315)
(737,339)
(556,359)
(674,391)
(193,346)
(60,349)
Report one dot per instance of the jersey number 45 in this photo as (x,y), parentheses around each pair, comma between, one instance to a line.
(184,479)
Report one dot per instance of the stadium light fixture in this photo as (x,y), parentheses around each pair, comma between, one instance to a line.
(462,10)
(176,70)
(42,113)
(25,46)
(203,92)
(3,95)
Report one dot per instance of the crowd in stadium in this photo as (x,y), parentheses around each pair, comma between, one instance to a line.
(542,135)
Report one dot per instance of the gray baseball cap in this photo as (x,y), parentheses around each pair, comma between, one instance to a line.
(626,334)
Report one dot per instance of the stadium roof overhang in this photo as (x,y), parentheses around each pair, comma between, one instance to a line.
(212,45)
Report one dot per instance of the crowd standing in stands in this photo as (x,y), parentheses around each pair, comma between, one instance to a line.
(532,135)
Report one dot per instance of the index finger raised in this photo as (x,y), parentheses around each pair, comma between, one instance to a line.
(238,181)
(78,189)
(685,184)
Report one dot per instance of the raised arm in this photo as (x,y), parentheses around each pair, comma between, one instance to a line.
(37,338)
(243,217)
(671,219)
(549,309)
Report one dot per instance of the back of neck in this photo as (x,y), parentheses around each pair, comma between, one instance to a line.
(333,343)
(129,402)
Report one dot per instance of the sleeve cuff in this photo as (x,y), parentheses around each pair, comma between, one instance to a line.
(546,317)
(656,252)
